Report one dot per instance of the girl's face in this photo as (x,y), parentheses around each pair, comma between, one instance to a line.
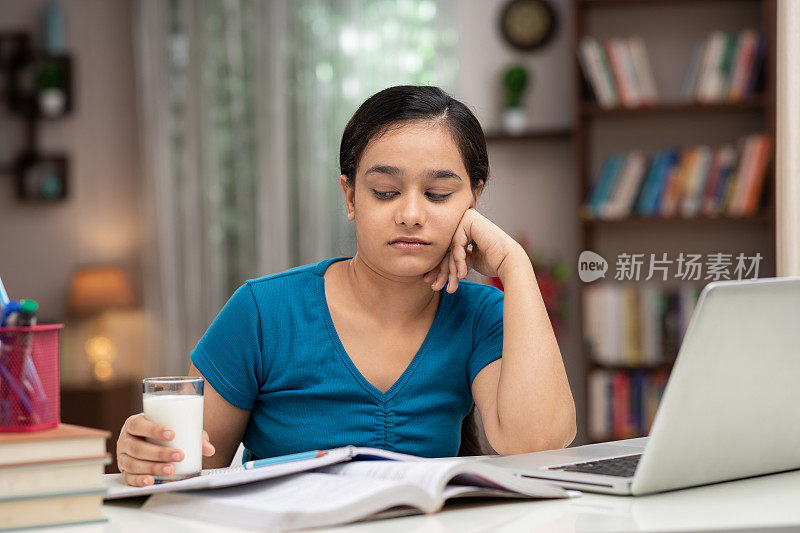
(410,183)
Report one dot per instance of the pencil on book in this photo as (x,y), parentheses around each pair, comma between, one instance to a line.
(284,459)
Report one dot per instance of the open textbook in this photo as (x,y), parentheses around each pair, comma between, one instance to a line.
(350,491)
(116,487)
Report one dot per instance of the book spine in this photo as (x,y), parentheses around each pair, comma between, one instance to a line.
(744,60)
(689,87)
(762,160)
(710,67)
(626,96)
(644,74)
(592,64)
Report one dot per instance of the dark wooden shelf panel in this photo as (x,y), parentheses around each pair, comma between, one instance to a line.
(625,3)
(593,110)
(532,135)
(628,367)
(764,218)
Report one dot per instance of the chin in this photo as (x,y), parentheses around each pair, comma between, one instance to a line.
(408,265)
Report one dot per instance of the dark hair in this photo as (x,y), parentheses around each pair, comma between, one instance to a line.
(400,105)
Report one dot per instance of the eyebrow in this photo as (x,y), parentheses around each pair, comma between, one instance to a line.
(428,174)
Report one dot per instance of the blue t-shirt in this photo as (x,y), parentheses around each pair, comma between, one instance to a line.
(273,350)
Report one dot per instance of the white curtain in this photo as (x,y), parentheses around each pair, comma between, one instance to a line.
(242,105)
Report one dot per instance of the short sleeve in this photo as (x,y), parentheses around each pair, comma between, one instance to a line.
(487,345)
(229,353)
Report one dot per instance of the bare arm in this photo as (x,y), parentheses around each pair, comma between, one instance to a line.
(225,424)
(524,398)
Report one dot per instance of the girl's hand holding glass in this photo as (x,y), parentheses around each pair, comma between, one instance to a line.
(141,461)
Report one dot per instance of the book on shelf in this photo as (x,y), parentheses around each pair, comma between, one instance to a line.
(623,404)
(349,491)
(52,477)
(724,67)
(689,182)
(626,325)
(618,71)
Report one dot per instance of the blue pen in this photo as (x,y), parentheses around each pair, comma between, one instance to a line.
(11,307)
(3,295)
(249,465)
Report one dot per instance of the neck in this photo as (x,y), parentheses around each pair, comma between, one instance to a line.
(391,299)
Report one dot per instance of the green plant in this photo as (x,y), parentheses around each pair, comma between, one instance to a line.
(515,81)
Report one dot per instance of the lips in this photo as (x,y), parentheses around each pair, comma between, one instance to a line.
(412,240)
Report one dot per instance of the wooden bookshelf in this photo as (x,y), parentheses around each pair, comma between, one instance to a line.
(640,128)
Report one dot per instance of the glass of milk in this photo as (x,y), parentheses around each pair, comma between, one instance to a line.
(177,404)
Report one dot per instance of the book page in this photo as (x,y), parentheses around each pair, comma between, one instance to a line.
(434,475)
(299,500)
(431,476)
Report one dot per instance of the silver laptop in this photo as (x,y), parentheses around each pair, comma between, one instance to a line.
(731,408)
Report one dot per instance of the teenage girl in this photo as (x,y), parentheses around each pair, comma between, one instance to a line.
(388,348)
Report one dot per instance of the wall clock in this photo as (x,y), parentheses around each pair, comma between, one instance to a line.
(528,24)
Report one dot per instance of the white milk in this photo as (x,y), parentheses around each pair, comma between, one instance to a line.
(183,414)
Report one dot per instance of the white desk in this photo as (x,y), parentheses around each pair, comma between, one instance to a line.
(756,502)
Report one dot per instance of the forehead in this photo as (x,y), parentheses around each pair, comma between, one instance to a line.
(414,146)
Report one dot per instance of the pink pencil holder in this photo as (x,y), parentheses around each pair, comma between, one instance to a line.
(29,386)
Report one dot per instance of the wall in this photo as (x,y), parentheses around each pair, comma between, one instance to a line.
(533,188)
(40,245)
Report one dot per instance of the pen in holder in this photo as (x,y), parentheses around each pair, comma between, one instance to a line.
(29,385)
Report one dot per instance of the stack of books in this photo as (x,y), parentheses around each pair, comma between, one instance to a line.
(725,67)
(636,325)
(689,182)
(620,73)
(52,477)
(623,404)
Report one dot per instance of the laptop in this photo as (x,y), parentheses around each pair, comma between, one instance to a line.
(730,410)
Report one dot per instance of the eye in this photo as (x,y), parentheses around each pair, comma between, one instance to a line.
(383,195)
(438,197)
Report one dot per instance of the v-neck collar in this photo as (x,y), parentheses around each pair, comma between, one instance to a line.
(384,397)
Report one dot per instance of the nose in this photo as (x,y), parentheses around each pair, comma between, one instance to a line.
(410,210)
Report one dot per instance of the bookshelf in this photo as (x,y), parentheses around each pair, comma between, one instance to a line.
(669,29)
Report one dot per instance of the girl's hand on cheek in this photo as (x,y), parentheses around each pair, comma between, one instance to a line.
(490,247)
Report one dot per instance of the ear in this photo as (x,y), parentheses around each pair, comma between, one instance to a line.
(477,193)
(349,197)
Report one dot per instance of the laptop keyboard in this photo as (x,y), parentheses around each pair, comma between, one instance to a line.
(615,466)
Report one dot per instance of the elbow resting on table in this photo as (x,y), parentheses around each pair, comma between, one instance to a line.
(559,437)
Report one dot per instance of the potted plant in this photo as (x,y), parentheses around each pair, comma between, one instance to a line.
(515,117)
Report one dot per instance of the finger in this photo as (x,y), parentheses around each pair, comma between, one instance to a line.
(460,257)
(136,480)
(460,241)
(141,427)
(133,465)
(453,275)
(208,449)
(142,449)
(441,277)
